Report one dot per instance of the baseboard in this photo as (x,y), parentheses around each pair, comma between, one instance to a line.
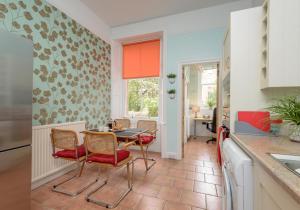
(173,155)
(51,176)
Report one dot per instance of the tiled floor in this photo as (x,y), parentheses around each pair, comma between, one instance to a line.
(193,183)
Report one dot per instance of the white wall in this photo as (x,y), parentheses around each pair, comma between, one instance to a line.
(84,16)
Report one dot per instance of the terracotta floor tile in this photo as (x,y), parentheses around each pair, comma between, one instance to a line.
(205,188)
(217,172)
(205,170)
(177,173)
(213,203)
(190,175)
(199,177)
(176,206)
(164,181)
(148,189)
(169,194)
(219,190)
(196,208)
(211,164)
(132,200)
(168,185)
(184,184)
(213,179)
(193,199)
(150,203)
(193,162)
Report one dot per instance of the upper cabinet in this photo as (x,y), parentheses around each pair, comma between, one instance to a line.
(280,52)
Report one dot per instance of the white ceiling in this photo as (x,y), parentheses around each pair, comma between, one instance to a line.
(122,12)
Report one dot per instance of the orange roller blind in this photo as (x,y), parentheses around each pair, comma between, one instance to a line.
(141,59)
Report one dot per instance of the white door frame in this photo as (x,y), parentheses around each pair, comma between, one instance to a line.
(180,89)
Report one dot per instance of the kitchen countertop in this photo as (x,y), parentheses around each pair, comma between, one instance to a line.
(258,147)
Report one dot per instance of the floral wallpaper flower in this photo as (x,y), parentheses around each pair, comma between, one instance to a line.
(71,65)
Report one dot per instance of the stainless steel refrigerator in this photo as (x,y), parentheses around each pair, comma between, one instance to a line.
(16,67)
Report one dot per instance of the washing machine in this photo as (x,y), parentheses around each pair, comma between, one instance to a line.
(237,177)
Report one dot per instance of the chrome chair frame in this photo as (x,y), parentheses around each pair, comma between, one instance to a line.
(145,152)
(120,165)
(79,168)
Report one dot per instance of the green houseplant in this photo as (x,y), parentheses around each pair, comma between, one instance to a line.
(288,109)
(171,78)
(211,100)
(171,93)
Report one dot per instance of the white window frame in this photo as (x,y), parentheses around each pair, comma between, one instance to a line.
(202,105)
(125,102)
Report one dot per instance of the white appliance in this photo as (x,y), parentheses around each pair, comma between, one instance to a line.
(238,178)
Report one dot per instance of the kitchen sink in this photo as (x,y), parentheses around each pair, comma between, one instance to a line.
(292,162)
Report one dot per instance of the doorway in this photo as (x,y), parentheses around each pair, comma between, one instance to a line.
(199,98)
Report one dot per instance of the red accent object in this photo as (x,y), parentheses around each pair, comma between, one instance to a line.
(225,134)
(278,121)
(109,159)
(70,153)
(145,139)
(141,59)
(258,119)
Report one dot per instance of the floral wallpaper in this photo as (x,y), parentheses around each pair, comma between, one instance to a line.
(71,65)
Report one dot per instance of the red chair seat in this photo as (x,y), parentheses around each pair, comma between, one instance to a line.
(109,159)
(70,153)
(145,139)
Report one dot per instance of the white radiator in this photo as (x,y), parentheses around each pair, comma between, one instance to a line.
(44,166)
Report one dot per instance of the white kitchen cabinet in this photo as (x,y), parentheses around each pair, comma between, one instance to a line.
(268,194)
(280,51)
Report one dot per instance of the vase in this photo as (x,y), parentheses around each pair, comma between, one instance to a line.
(172,95)
(171,80)
(295,136)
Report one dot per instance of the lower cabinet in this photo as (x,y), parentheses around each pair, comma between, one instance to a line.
(269,195)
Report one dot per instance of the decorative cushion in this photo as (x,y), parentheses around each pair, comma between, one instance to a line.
(110,159)
(70,153)
(145,139)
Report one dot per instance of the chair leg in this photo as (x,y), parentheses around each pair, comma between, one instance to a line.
(111,206)
(211,140)
(76,175)
(81,169)
(145,158)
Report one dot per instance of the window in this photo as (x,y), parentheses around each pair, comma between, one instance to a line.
(143,97)
(208,88)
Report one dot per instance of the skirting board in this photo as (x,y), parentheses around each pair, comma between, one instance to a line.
(51,176)
(173,155)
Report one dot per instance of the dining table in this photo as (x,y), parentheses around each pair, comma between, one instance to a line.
(129,134)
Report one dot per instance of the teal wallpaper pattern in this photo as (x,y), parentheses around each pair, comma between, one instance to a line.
(71,65)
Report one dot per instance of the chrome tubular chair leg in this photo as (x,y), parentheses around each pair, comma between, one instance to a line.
(146,159)
(115,204)
(78,174)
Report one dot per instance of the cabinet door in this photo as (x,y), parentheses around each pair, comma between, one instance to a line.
(269,195)
(284,43)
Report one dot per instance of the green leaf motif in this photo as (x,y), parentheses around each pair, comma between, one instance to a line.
(27,15)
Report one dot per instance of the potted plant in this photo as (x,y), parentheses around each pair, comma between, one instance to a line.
(211,100)
(171,78)
(288,109)
(171,93)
